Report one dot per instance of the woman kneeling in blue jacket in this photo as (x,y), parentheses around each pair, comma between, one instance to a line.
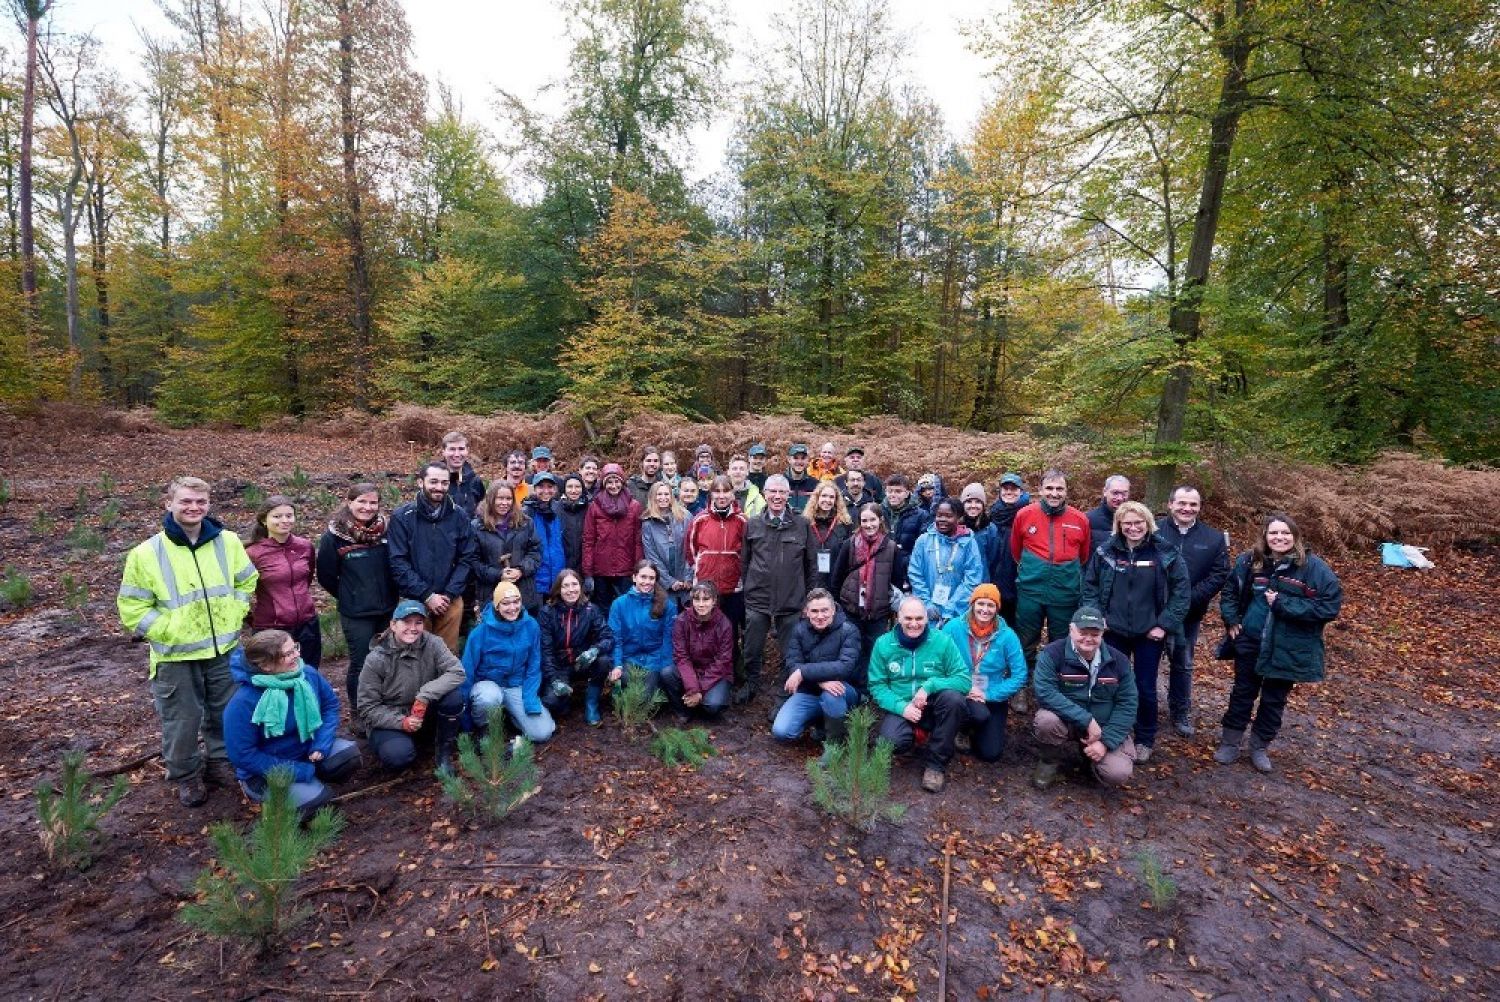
(285,714)
(992,651)
(503,663)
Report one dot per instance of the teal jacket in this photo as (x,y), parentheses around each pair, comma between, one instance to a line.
(1308,598)
(897,673)
(1061,683)
(1003,666)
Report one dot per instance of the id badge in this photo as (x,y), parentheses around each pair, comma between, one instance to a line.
(825,562)
(940,595)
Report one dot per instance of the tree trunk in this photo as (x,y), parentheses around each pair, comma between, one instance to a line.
(1185,321)
(28,237)
(359,266)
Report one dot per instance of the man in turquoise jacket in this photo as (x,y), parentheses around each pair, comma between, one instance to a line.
(919,678)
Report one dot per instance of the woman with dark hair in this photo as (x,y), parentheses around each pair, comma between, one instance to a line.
(611,538)
(865,571)
(828,521)
(354,567)
(506,545)
(283,594)
(1277,601)
(284,714)
(641,622)
(572,506)
(702,668)
(577,647)
(1142,588)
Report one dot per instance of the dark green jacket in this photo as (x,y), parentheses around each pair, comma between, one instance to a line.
(1114,559)
(1061,683)
(1309,597)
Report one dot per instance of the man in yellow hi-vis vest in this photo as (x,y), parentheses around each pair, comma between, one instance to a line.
(186,591)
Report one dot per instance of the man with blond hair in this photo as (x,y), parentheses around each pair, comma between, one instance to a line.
(185,591)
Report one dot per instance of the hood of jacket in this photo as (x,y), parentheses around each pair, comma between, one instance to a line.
(211,528)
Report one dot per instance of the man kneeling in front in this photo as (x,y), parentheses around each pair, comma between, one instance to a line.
(1086,691)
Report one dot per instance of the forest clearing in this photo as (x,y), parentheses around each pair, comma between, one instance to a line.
(1363,868)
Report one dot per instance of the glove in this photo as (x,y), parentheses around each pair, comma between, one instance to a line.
(561,689)
(412,722)
(586,660)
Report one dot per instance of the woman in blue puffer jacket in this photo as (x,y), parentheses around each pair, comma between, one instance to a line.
(284,714)
(641,621)
(503,666)
(992,651)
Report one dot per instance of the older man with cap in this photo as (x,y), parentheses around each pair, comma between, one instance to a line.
(411,686)
(541,461)
(799,481)
(919,678)
(1087,697)
(854,459)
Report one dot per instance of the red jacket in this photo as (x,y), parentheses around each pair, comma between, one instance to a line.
(713,544)
(283,595)
(1056,539)
(703,653)
(612,544)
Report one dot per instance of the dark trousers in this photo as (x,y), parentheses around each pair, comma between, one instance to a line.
(359,633)
(1180,669)
(309,637)
(597,675)
(733,608)
(1033,611)
(870,630)
(397,750)
(986,725)
(940,719)
(1248,685)
(607,589)
(714,700)
(1145,657)
(757,626)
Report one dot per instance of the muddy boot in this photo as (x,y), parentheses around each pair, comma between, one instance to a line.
(1258,756)
(444,758)
(1046,774)
(591,706)
(1229,746)
(835,732)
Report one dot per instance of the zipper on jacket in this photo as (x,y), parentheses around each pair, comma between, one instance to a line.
(207,606)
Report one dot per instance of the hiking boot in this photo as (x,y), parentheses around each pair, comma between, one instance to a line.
(933,780)
(445,751)
(591,706)
(962,743)
(1229,746)
(836,732)
(1183,725)
(191,791)
(220,773)
(744,694)
(1258,756)
(1142,754)
(1045,776)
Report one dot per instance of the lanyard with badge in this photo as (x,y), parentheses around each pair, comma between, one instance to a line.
(944,590)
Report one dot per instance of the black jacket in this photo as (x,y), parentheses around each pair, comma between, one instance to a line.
(778,564)
(431,551)
(1205,552)
(828,656)
(467,490)
(568,631)
(837,534)
(1101,525)
(357,575)
(494,553)
(572,513)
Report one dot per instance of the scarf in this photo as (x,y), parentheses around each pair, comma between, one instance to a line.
(980,639)
(1050,511)
(270,710)
(912,643)
(613,505)
(864,554)
(361,534)
(433,513)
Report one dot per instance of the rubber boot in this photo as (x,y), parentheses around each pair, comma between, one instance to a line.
(445,751)
(835,732)
(1229,746)
(1258,756)
(1048,770)
(591,706)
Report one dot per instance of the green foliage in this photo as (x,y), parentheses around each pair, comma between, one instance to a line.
(254,496)
(1162,888)
(675,746)
(84,500)
(390,495)
(109,515)
(43,523)
(107,483)
(70,813)
(324,500)
(487,784)
(85,539)
(633,706)
(75,592)
(297,481)
(854,784)
(249,891)
(335,645)
(6,492)
(15,588)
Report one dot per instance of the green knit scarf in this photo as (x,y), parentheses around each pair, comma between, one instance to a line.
(270,711)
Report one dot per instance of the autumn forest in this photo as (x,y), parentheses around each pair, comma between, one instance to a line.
(1240,224)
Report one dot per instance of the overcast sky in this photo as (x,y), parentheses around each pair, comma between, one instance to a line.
(476,46)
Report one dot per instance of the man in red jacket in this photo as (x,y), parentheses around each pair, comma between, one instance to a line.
(1049,542)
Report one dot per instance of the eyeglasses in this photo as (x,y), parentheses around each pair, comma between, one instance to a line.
(296,650)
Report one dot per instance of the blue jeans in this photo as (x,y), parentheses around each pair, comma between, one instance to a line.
(1180,671)
(307,797)
(1145,656)
(486,697)
(801,710)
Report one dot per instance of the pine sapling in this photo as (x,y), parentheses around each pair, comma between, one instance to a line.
(675,746)
(1162,888)
(70,813)
(255,495)
(15,588)
(248,892)
(634,705)
(298,480)
(854,783)
(335,644)
(487,784)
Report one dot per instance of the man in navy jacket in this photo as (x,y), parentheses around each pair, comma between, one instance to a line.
(1205,552)
(431,547)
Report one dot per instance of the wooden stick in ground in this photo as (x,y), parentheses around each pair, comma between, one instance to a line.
(369,789)
(942,992)
(125,767)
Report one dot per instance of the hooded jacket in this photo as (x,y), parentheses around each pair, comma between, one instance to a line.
(395,675)
(432,549)
(906,523)
(612,540)
(703,652)
(661,543)
(1308,598)
(252,754)
(466,489)
(550,529)
(640,639)
(283,589)
(569,630)
(496,550)
(1003,664)
(714,545)
(507,653)
(945,570)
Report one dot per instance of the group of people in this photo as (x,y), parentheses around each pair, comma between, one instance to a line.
(477,606)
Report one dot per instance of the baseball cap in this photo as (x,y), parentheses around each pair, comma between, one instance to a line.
(796,449)
(541,452)
(409,607)
(1088,618)
(758,449)
(1012,480)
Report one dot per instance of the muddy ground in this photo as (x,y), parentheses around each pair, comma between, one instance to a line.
(1364,867)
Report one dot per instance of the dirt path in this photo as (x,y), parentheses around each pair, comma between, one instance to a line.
(1363,868)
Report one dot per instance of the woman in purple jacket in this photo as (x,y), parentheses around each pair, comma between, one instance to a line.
(702,668)
(287,564)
